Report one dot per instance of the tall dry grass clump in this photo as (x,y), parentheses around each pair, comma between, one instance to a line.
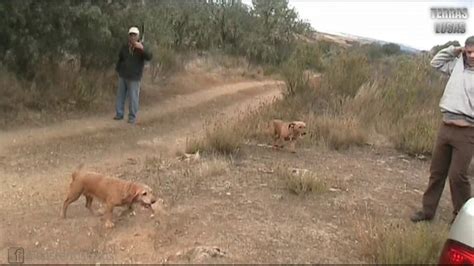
(402,105)
(401,243)
(221,137)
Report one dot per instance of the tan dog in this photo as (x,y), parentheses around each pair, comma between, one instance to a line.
(112,191)
(287,131)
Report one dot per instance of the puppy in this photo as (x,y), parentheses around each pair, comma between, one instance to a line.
(111,191)
(287,131)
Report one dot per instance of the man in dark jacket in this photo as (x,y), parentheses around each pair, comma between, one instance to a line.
(130,65)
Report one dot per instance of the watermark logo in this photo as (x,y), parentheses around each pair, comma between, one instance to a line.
(449,20)
(16,255)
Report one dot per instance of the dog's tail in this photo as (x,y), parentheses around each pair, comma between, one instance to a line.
(77,171)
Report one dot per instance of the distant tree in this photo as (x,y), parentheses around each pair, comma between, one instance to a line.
(391,49)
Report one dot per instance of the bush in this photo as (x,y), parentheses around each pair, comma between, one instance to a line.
(304,57)
(409,98)
(168,61)
(345,74)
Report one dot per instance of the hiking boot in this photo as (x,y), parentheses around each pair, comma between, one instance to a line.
(420,216)
(118,117)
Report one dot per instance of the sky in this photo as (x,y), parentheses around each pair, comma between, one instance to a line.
(405,22)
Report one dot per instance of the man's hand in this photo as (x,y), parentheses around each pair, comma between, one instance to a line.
(458,50)
(138,45)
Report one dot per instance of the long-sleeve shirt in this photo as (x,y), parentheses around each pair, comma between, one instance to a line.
(457,103)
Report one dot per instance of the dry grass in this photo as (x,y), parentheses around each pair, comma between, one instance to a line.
(221,137)
(301,181)
(194,145)
(328,130)
(54,92)
(174,179)
(396,98)
(212,167)
(336,132)
(416,134)
(346,73)
(402,243)
(223,66)
(405,111)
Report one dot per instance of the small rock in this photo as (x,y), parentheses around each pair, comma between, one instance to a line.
(37,243)
(200,253)
(418,191)
(421,157)
(122,248)
(278,196)
(228,193)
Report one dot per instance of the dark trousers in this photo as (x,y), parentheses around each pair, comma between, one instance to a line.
(451,157)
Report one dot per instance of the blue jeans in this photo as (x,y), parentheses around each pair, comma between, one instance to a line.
(132,88)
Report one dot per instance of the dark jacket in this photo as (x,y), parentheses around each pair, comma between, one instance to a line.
(130,63)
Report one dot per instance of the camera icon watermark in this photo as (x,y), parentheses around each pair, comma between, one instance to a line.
(16,255)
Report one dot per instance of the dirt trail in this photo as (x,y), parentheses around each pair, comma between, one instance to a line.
(38,157)
(35,164)
(88,125)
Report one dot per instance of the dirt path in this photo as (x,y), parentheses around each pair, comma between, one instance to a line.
(42,157)
(88,125)
(35,164)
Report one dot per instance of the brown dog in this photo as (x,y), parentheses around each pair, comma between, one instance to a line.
(287,131)
(112,191)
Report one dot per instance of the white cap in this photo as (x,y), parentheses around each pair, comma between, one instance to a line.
(134,30)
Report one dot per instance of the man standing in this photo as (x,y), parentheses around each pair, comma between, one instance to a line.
(455,141)
(130,65)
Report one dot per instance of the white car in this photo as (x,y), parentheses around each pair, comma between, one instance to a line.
(459,247)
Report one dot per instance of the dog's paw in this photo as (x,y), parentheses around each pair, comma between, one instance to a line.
(109,224)
(277,147)
(98,212)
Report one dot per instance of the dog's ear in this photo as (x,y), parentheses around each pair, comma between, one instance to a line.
(292,125)
(132,193)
